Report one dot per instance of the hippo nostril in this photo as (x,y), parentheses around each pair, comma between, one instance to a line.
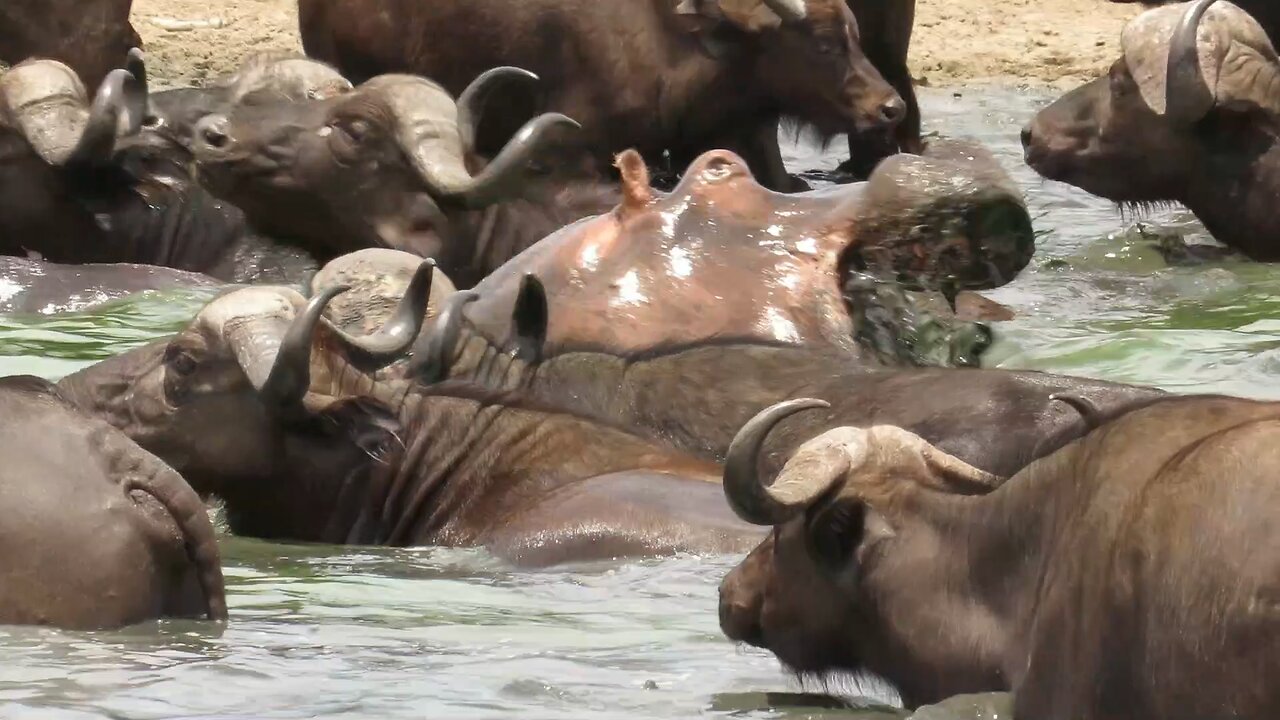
(212,132)
(893,111)
(1026,137)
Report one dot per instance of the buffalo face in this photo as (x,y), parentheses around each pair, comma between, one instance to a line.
(1187,114)
(230,401)
(1102,137)
(377,166)
(817,70)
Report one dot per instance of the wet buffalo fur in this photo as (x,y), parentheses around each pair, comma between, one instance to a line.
(1129,574)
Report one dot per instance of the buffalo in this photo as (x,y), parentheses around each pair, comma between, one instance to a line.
(386,165)
(81,181)
(91,36)
(94,531)
(1187,115)
(662,77)
(33,286)
(264,403)
(1128,574)
(1267,13)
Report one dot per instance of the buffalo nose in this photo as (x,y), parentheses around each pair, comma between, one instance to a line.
(212,132)
(893,111)
(739,621)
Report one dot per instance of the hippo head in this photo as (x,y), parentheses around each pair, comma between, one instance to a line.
(376,166)
(721,259)
(805,54)
(1186,114)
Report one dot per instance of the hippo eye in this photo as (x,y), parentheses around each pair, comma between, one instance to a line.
(152,121)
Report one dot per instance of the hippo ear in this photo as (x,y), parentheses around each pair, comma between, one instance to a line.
(529,318)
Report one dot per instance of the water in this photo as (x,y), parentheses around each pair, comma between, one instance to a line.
(381,633)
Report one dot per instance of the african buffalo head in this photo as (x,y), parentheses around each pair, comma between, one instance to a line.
(808,57)
(817,591)
(81,181)
(250,389)
(1189,113)
(377,166)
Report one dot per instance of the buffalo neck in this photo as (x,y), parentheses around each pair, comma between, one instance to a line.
(1233,192)
(467,459)
(982,566)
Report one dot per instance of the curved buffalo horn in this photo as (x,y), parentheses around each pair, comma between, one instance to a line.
(401,329)
(788,10)
(431,361)
(1089,412)
(472,101)
(136,63)
(1187,95)
(121,97)
(751,500)
(290,375)
(447,178)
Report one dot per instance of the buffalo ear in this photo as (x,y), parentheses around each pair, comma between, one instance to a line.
(529,318)
(839,534)
(368,424)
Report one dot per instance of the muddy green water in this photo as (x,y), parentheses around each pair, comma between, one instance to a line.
(426,633)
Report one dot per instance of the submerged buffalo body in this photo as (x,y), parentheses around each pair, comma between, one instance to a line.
(264,404)
(33,286)
(655,75)
(1188,114)
(94,531)
(1132,573)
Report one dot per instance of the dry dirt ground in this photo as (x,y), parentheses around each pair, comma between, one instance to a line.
(1055,41)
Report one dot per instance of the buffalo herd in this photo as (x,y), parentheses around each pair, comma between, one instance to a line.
(532,277)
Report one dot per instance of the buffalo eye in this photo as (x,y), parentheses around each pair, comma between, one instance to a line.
(830,47)
(180,362)
(834,532)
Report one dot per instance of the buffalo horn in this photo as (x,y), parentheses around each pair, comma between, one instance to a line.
(290,375)
(121,97)
(1187,95)
(431,360)
(788,10)
(749,498)
(472,101)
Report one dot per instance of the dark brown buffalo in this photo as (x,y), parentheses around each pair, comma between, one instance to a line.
(1131,574)
(81,181)
(386,165)
(94,531)
(1188,114)
(266,405)
(885,30)
(91,36)
(655,75)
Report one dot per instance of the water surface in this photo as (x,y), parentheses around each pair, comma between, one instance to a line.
(428,633)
